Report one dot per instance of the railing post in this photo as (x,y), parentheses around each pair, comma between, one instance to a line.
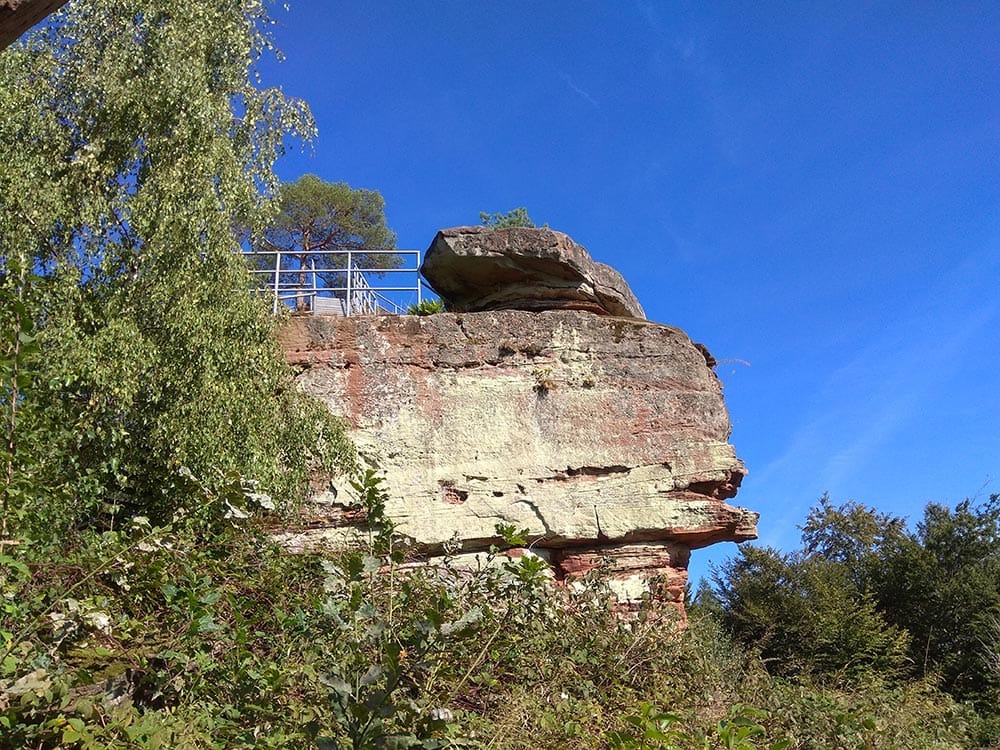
(419,289)
(314,295)
(347,308)
(277,271)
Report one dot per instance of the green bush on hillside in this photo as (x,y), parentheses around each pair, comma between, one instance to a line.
(867,599)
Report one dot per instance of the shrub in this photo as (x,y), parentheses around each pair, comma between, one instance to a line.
(517,217)
(426,307)
(208,635)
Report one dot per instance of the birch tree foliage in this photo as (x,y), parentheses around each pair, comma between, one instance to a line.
(137,146)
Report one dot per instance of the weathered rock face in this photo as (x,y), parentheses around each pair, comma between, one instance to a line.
(478,268)
(605,437)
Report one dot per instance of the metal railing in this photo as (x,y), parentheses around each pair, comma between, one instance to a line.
(343,281)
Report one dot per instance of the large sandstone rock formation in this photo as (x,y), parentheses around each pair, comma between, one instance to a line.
(520,268)
(606,437)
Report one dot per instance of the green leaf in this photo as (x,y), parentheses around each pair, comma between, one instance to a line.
(373,675)
(207,624)
(16,564)
(337,684)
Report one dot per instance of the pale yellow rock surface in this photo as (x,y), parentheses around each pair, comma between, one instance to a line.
(586,430)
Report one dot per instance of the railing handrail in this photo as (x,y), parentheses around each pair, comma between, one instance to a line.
(358,249)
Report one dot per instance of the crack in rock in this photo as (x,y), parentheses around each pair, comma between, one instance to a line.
(538,514)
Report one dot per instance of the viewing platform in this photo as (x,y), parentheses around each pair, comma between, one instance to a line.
(347,281)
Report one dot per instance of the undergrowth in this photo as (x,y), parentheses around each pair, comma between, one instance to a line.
(204,635)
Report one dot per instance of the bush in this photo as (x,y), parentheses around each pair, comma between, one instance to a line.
(517,217)
(805,616)
(426,307)
(207,635)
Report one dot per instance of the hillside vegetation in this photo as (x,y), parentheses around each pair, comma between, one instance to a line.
(151,436)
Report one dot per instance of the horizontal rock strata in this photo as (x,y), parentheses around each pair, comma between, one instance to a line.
(605,437)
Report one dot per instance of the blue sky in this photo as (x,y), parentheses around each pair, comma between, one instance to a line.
(810,189)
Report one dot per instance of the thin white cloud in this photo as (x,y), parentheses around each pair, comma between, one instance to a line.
(865,404)
(692,50)
(897,397)
(577,90)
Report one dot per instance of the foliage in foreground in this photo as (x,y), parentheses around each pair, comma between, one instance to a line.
(136,149)
(210,637)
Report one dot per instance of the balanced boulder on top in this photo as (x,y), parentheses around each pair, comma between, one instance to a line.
(476,269)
